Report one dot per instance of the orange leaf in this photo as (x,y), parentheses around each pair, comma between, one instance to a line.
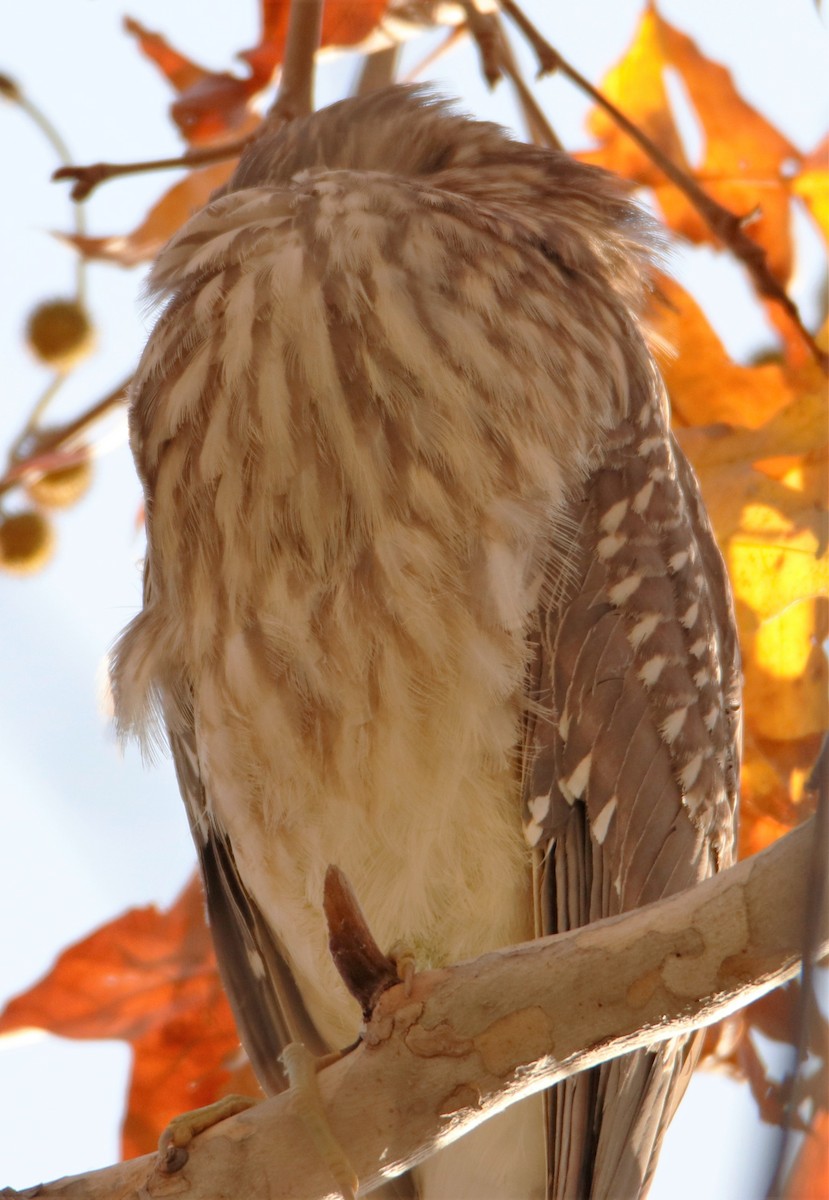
(705,386)
(745,164)
(182,1063)
(773,795)
(166,216)
(809,1179)
(637,85)
(211,105)
(812,186)
(149,978)
(118,981)
(344,23)
(785,670)
(180,72)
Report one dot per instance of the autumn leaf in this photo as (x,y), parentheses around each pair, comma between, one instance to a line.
(212,105)
(809,1178)
(745,163)
(165,217)
(773,533)
(705,386)
(180,72)
(344,23)
(812,186)
(215,105)
(148,978)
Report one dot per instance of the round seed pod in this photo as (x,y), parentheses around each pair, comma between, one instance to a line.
(27,540)
(62,487)
(59,333)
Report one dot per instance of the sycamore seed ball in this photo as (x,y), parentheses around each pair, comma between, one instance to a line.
(60,333)
(27,540)
(63,486)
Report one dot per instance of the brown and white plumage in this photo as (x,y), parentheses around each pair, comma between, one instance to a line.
(430,591)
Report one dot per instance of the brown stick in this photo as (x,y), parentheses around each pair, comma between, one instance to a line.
(33,450)
(88,178)
(296,85)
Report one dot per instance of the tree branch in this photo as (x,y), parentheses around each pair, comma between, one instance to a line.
(296,85)
(471,1039)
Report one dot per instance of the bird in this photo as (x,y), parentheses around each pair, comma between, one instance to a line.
(430,590)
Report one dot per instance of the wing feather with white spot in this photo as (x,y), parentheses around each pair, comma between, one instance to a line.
(631,760)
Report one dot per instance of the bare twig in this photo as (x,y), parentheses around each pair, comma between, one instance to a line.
(13,92)
(540,129)
(451,40)
(88,178)
(497,61)
(726,226)
(35,450)
(378,70)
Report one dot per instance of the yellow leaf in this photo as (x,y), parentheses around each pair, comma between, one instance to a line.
(746,164)
(772,565)
(813,188)
(786,675)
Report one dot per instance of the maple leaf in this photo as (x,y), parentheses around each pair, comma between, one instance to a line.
(746,164)
(166,216)
(810,1175)
(812,186)
(706,387)
(148,978)
(215,105)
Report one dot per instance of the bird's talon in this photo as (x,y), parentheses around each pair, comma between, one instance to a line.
(174,1141)
(173,1159)
(406,964)
(302,1068)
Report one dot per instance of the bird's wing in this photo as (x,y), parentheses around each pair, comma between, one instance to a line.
(263,994)
(265,1000)
(630,761)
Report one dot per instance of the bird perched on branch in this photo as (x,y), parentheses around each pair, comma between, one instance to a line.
(430,590)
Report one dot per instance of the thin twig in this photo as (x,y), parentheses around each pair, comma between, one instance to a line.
(26,458)
(88,178)
(497,61)
(540,128)
(449,42)
(294,99)
(378,70)
(38,117)
(724,224)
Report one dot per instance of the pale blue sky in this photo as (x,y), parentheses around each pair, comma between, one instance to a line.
(87,832)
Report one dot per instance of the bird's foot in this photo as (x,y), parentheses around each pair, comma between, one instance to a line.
(302,1068)
(174,1141)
